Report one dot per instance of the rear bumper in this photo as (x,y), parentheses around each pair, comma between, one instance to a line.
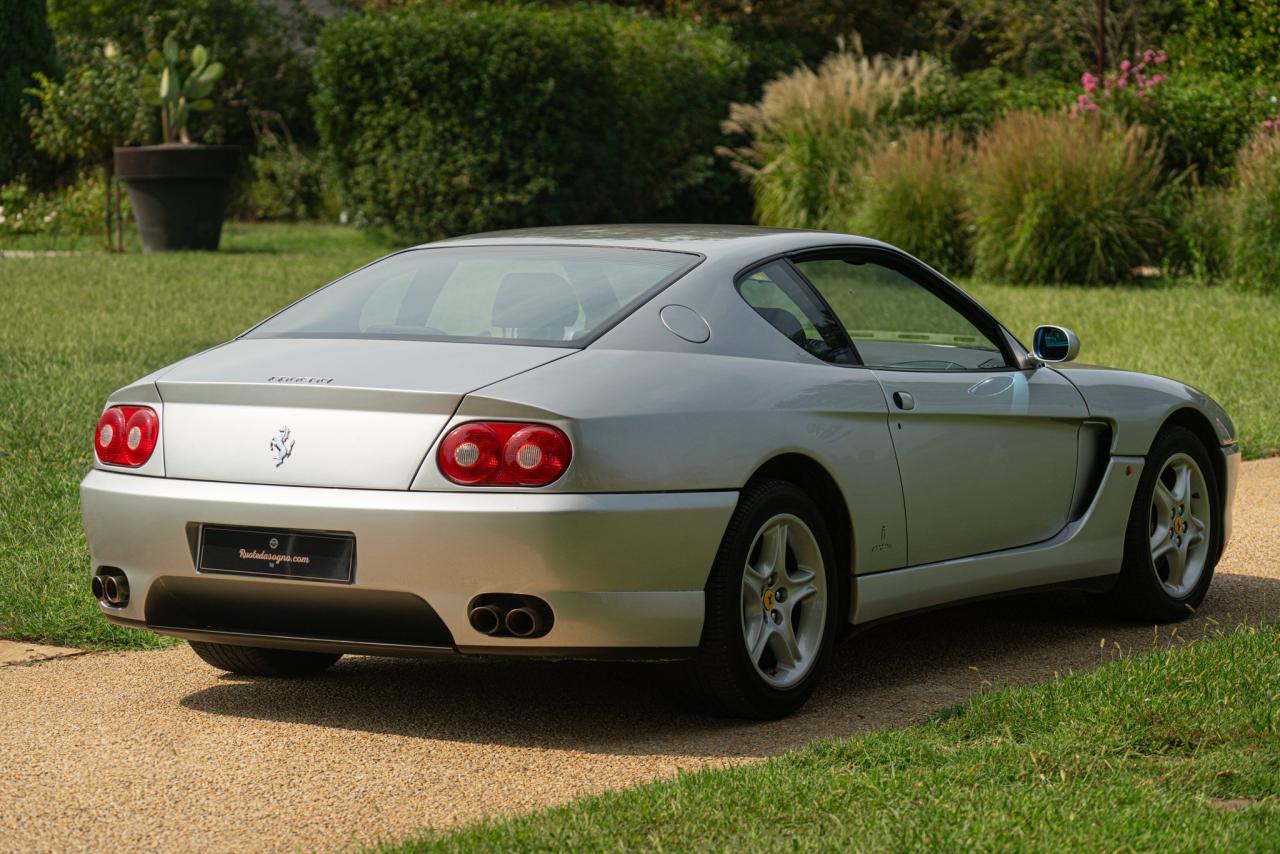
(623,573)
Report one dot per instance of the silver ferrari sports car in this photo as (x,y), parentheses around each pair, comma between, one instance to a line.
(718,446)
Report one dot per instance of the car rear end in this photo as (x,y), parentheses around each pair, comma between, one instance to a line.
(311,485)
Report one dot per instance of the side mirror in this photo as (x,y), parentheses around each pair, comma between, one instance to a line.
(1055,344)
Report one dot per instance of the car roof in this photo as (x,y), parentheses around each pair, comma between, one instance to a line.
(713,241)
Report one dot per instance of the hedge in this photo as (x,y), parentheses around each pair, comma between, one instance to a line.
(443,120)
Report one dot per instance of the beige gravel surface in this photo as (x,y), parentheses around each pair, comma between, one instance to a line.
(156,751)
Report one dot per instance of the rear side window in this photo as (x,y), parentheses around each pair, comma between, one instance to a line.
(500,294)
(789,306)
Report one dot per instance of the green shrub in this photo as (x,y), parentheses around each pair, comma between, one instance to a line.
(442,120)
(27,48)
(71,211)
(1058,199)
(1255,215)
(1202,119)
(1203,246)
(913,193)
(1240,37)
(812,129)
(971,103)
(94,107)
(286,185)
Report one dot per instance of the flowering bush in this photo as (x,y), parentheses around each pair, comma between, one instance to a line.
(1132,77)
(1201,118)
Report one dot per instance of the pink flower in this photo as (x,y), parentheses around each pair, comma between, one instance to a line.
(1157,78)
(1161,56)
(1266,123)
(1084,99)
(1148,56)
(1123,81)
(1126,65)
(1091,107)
(1089,81)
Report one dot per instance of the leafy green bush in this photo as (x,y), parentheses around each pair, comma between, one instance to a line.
(1240,37)
(94,107)
(1058,199)
(1255,215)
(70,211)
(812,129)
(971,103)
(286,185)
(913,193)
(28,48)
(441,120)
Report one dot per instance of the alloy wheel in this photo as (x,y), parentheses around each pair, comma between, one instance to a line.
(784,601)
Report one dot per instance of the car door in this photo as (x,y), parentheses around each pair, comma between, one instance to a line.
(986,449)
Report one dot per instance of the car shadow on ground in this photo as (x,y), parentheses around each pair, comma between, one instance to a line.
(892,674)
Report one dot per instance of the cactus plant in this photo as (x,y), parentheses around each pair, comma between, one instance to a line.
(178,96)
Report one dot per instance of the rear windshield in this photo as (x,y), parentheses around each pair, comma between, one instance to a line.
(534,294)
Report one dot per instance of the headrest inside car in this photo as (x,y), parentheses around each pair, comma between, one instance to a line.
(540,305)
(785,322)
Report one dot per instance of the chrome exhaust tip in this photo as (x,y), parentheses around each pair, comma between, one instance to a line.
(524,622)
(111,588)
(487,619)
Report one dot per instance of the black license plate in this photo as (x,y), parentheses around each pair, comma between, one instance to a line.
(276,553)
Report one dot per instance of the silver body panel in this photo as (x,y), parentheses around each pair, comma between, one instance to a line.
(979,489)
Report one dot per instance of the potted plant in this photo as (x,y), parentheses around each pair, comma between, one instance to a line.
(179,190)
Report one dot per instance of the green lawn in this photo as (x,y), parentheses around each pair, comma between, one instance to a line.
(75,328)
(1173,751)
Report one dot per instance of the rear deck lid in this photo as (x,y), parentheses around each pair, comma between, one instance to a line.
(323,412)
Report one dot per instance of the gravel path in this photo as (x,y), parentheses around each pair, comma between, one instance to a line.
(155,751)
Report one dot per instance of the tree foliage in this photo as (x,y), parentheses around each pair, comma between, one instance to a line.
(26,47)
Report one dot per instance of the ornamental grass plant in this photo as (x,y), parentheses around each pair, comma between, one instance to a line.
(1067,199)
(913,192)
(811,128)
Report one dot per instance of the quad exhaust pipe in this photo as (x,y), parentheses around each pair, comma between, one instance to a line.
(110,586)
(510,615)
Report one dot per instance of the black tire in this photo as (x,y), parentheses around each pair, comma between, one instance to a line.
(721,678)
(259,661)
(1138,593)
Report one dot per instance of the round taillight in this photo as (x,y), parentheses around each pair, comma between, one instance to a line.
(504,453)
(126,435)
(536,455)
(470,453)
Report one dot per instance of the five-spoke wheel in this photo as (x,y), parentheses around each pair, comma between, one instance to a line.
(784,599)
(1181,515)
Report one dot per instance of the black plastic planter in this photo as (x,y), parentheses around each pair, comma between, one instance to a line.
(179,193)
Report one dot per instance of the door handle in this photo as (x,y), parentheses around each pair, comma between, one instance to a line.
(904,400)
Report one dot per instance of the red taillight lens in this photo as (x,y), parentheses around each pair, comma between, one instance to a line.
(126,435)
(504,453)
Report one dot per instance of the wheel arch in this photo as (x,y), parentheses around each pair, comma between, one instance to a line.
(810,476)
